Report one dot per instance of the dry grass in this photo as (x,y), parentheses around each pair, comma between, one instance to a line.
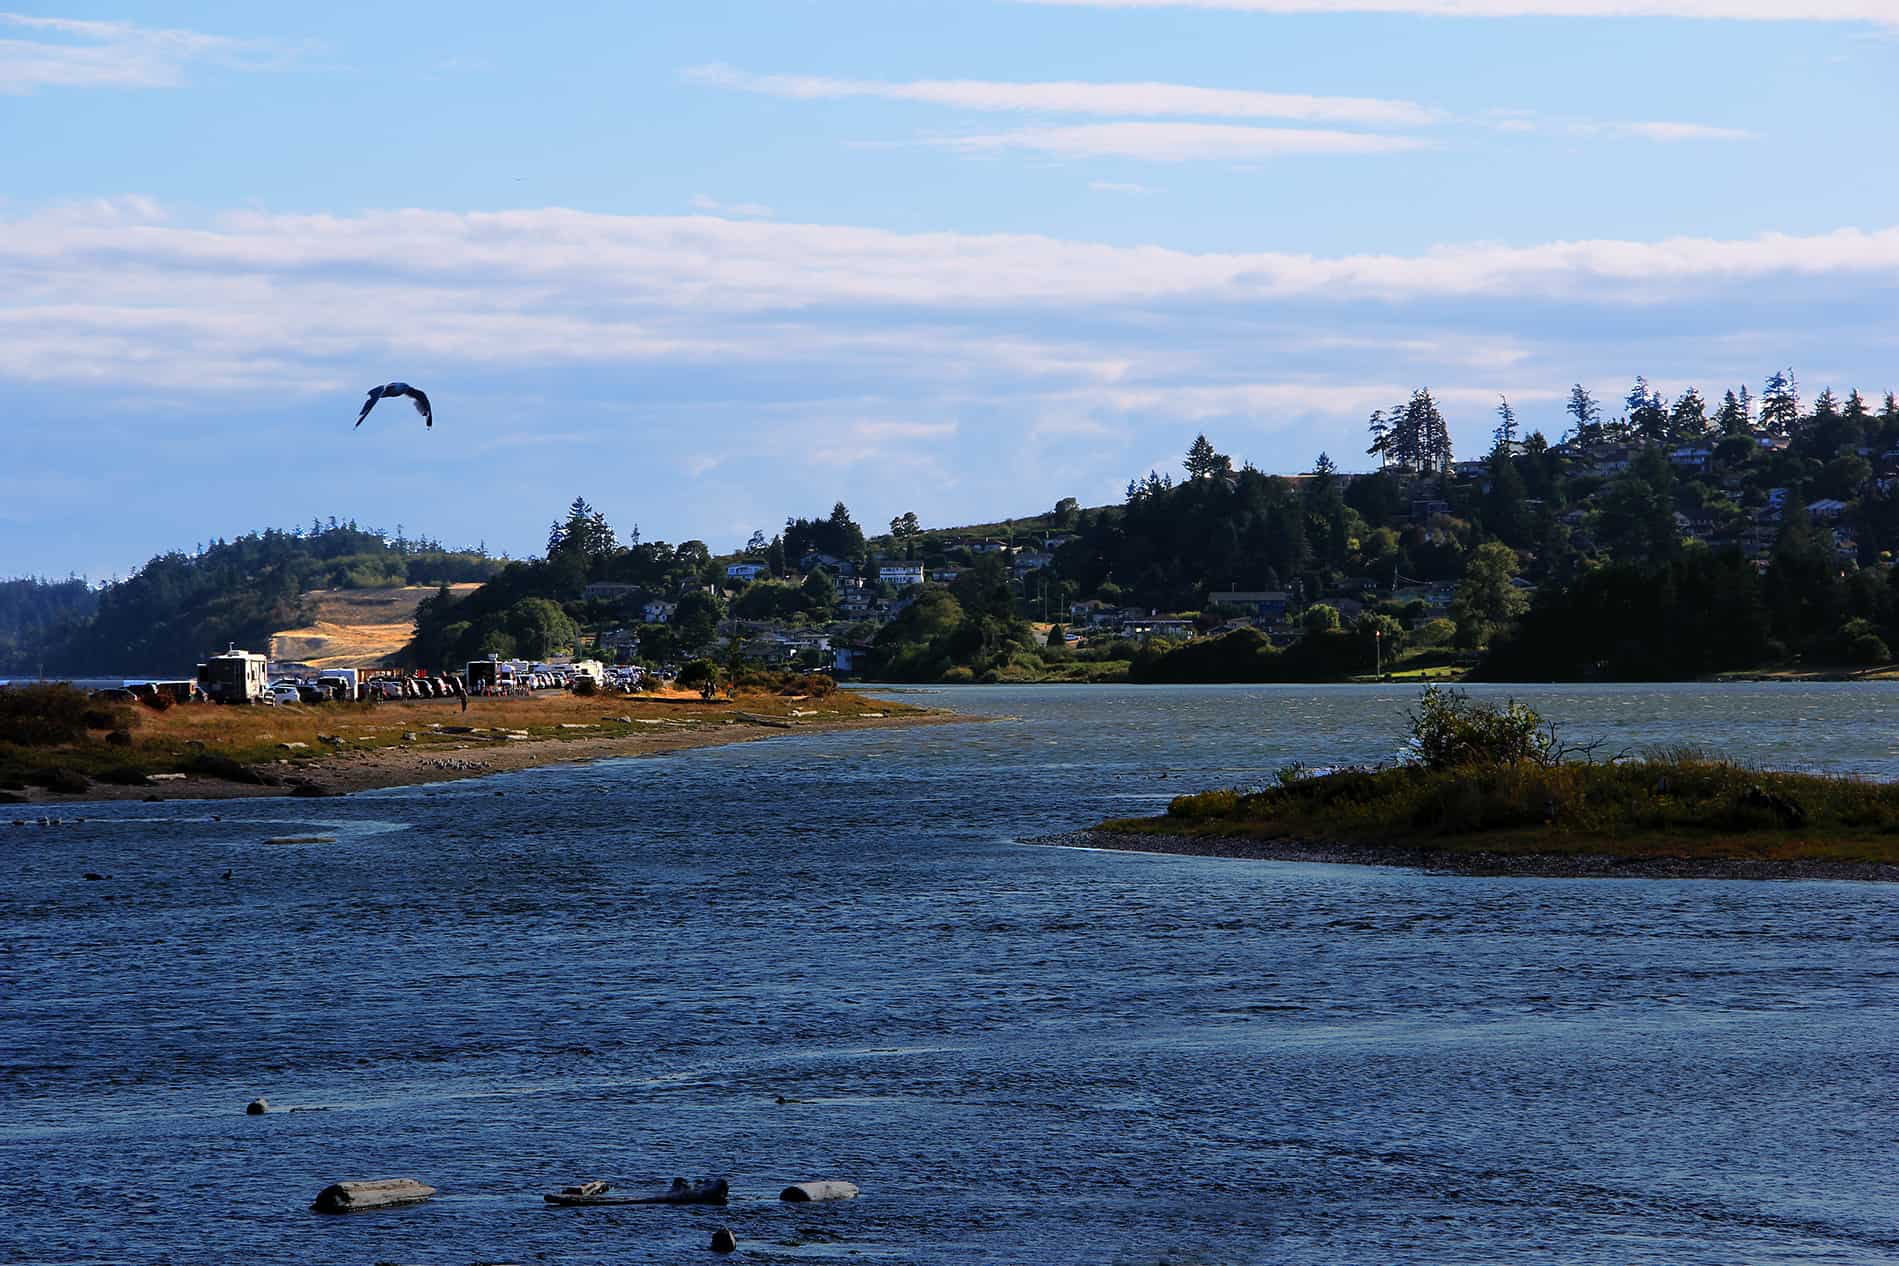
(257,737)
(355,628)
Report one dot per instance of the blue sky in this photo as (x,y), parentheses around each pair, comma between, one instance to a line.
(709,265)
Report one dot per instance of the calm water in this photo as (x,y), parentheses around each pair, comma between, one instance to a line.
(1020,1054)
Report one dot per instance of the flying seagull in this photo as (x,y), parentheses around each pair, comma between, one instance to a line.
(397,389)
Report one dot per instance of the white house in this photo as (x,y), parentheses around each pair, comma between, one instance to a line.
(902,575)
(744,571)
(658,612)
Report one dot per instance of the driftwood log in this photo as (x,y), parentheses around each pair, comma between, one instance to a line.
(803,1191)
(379,1193)
(705,1191)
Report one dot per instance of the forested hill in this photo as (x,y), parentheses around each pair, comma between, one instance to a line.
(34,611)
(180,606)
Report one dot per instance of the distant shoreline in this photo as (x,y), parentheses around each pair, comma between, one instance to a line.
(1471,864)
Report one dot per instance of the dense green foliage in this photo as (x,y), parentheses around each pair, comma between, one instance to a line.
(34,613)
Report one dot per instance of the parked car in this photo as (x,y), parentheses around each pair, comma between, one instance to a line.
(310,692)
(285,692)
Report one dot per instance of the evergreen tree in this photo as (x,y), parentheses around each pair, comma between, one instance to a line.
(1647,414)
(1588,414)
(1380,430)
(1780,404)
(1689,418)
(1506,433)
(1856,409)
(1201,459)
(1731,418)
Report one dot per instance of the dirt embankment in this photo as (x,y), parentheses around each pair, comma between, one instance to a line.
(355,628)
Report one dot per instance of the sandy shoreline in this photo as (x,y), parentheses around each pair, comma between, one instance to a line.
(437,762)
(1523,865)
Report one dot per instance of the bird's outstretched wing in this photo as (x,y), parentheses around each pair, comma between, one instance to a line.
(422,406)
(375,394)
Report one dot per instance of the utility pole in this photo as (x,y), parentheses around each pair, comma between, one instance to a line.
(1378,650)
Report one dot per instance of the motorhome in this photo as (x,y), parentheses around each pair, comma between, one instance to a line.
(235,676)
(591,669)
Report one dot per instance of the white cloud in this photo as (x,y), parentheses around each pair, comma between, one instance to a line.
(1119,186)
(1668,133)
(68,53)
(1879,12)
(743,210)
(1136,100)
(1182,142)
(116,294)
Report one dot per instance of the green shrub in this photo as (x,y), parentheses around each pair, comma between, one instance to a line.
(1451,731)
(218,765)
(60,778)
(43,715)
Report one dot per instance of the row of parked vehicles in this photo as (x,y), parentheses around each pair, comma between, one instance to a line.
(235,676)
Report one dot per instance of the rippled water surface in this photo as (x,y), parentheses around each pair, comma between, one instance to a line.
(1021,1054)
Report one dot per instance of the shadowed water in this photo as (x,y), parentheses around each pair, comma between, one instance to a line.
(1019,1053)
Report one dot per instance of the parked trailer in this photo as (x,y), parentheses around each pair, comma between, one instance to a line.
(235,676)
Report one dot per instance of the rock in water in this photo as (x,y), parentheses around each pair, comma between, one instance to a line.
(257,1107)
(723,1241)
(379,1193)
(804,1191)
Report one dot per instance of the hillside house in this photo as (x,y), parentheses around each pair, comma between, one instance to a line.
(1261,604)
(902,575)
(746,572)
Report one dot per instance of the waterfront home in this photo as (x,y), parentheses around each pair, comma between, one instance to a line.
(944,575)
(1147,628)
(747,572)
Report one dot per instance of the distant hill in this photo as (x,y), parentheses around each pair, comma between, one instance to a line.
(179,607)
(355,628)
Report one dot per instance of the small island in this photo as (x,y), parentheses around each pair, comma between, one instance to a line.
(1489,790)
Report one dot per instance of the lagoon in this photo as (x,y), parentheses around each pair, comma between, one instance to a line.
(1019,1053)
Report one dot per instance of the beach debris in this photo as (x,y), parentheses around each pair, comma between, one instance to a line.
(800,1192)
(309,789)
(294,747)
(257,1107)
(723,1241)
(165,777)
(95,875)
(376,1193)
(705,1191)
(410,736)
(391,390)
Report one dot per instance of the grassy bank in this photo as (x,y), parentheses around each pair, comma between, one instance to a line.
(1499,782)
(57,740)
(1681,807)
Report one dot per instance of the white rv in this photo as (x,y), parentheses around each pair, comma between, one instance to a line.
(235,676)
